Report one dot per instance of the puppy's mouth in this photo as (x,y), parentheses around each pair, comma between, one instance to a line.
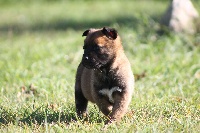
(91,63)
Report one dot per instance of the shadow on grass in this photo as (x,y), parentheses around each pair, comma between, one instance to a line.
(40,116)
(48,116)
(64,24)
(43,115)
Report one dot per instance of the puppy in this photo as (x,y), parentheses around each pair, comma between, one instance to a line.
(104,75)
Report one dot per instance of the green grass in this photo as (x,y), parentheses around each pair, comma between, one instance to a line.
(41,44)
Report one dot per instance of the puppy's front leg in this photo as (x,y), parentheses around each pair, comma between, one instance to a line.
(80,100)
(120,106)
(81,104)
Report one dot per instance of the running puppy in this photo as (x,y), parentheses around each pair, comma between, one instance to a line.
(104,75)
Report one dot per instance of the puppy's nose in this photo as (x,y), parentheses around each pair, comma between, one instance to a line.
(85,57)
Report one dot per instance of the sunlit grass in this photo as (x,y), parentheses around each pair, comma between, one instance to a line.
(41,45)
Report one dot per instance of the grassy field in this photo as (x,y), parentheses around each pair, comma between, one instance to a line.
(41,47)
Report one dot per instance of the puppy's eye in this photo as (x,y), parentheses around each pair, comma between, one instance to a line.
(96,47)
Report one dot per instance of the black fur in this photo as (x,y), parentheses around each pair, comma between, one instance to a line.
(85,33)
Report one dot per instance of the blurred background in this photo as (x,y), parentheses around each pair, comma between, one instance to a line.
(41,46)
(41,15)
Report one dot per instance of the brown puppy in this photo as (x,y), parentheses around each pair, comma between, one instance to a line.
(104,75)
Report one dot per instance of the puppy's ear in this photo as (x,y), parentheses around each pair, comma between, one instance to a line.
(85,33)
(110,33)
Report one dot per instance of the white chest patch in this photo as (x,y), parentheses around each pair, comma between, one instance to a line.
(109,92)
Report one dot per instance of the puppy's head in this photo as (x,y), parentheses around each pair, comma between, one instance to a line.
(99,47)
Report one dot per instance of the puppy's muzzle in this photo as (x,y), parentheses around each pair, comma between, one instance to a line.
(87,61)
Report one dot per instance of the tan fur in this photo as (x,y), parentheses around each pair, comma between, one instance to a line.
(119,73)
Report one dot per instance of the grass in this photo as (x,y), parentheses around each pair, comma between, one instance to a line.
(41,47)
